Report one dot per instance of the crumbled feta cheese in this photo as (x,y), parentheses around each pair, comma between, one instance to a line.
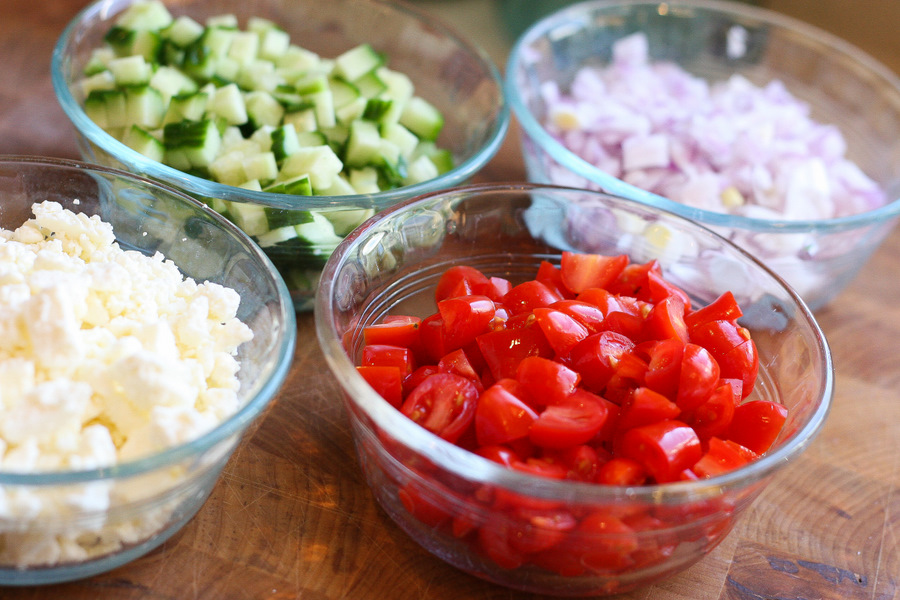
(106,355)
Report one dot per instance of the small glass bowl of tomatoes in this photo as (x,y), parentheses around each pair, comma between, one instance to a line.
(562,391)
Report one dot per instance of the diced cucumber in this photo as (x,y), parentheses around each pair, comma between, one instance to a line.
(346,220)
(141,140)
(342,91)
(280,217)
(171,82)
(273,43)
(229,168)
(99,81)
(441,157)
(262,166)
(225,21)
(351,111)
(197,141)
(263,109)
(295,186)
(277,236)
(228,103)
(364,180)
(357,61)
(339,187)
(363,143)
(145,14)
(422,118)
(319,162)
(130,70)
(370,85)
(144,107)
(107,108)
(401,137)
(183,31)
(284,142)
(323,105)
(302,120)
(186,106)
(244,47)
(251,218)
(319,233)
(98,61)
(419,170)
(250,108)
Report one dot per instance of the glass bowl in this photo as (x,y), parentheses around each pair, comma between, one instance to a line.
(64,524)
(447,70)
(391,264)
(716,41)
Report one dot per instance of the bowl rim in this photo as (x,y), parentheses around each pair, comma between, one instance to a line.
(139,163)
(459,461)
(234,424)
(574,13)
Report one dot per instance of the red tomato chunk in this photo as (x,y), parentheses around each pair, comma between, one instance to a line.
(597,370)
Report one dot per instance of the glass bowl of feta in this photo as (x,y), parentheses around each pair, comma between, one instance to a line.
(141,335)
(780,136)
(297,119)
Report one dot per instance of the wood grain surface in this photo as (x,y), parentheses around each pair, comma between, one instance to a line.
(292,518)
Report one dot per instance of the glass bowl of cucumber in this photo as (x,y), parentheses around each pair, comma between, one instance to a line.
(295,119)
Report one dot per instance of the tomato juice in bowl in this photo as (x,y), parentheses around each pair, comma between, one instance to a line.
(524,530)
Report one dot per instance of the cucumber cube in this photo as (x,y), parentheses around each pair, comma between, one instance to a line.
(130,70)
(422,118)
(357,61)
(140,140)
(228,103)
(145,14)
(319,162)
(183,31)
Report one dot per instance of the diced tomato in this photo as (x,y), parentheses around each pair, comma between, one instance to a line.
(666,320)
(501,417)
(713,417)
(581,461)
(460,280)
(458,363)
(546,381)
(756,424)
(723,308)
(621,471)
(444,404)
(596,356)
(465,318)
(644,406)
(550,275)
(596,371)
(664,369)
(527,296)
(387,381)
(573,420)
(698,378)
(503,350)
(721,457)
(583,271)
(560,329)
(394,330)
(664,448)
(589,315)
(382,355)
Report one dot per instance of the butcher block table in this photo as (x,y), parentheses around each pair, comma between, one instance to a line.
(292,517)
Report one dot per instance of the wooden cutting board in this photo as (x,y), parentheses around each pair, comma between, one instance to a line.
(292,518)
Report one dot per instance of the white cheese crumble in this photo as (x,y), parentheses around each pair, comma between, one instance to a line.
(106,355)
